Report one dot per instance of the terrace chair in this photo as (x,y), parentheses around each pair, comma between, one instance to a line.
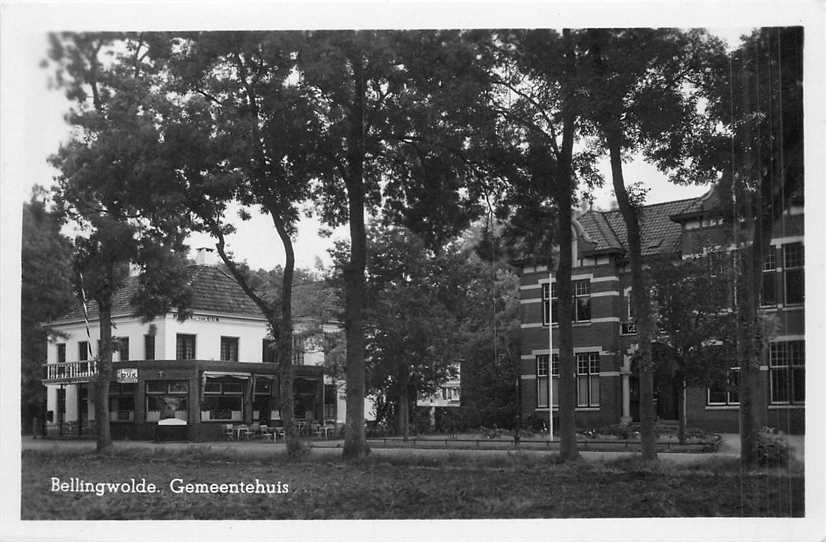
(255,429)
(243,432)
(229,432)
(266,433)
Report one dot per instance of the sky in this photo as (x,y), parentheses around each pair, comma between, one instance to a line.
(255,240)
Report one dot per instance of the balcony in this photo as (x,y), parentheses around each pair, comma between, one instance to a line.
(70,372)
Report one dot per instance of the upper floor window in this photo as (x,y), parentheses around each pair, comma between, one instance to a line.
(298,349)
(83,350)
(581,292)
(148,347)
(229,348)
(121,346)
(61,353)
(185,346)
(793,274)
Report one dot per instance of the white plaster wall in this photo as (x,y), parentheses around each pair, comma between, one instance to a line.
(208,333)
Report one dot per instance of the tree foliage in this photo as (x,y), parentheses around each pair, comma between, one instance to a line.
(46,294)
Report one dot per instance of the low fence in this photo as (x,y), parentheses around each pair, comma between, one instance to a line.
(493,444)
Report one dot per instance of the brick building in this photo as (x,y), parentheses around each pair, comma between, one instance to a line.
(604,332)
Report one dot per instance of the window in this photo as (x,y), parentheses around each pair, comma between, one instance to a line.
(268,351)
(587,382)
(587,379)
(629,325)
(185,346)
(166,399)
(298,350)
(542,380)
(581,291)
(223,400)
(769,290)
(122,348)
(725,392)
(261,408)
(793,274)
(122,402)
(788,373)
(83,350)
(61,353)
(229,348)
(148,347)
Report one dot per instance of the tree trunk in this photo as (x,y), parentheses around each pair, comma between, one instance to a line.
(681,404)
(104,434)
(748,338)
(639,297)
(567,366)
(285,342)
(404,401)
(355,290)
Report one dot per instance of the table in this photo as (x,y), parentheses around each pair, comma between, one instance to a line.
(241,429)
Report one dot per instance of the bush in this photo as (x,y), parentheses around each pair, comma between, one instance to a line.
(772,448)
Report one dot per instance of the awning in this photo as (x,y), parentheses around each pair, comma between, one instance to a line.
(223,374)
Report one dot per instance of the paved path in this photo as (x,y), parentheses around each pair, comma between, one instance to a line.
(730,448)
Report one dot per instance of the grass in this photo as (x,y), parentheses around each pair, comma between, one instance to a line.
(405,486)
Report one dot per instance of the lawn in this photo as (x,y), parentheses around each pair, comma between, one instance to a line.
(402,487)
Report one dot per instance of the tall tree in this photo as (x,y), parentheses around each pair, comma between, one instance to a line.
(111,183)
(46,294)
(538,97)
(691,299)
(755,147)
(409,321)
(641,95)
(246,133)
(387,101)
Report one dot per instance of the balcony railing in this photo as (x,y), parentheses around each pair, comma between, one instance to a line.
(69,372)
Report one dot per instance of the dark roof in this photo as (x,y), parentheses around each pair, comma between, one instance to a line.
(659,233)
(213,290)
(709,203)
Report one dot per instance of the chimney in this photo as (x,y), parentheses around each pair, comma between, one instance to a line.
(204,256)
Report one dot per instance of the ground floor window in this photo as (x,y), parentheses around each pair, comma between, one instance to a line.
(788,372)
(587,379)
(262,400)
(166,399)
(223,400)
(542,380)
(725,391)
(305,398)
(122,402)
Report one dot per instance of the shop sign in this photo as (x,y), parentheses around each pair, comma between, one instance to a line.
(127,376)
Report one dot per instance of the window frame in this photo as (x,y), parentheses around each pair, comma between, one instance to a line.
(793,269)
(227,344)
(590,375)
(182,356)
(580,290)
(223,394)
(730,390)
(791,364)
(149,352)
(769,277)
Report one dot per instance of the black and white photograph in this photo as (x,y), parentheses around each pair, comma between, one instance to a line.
(489,271)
